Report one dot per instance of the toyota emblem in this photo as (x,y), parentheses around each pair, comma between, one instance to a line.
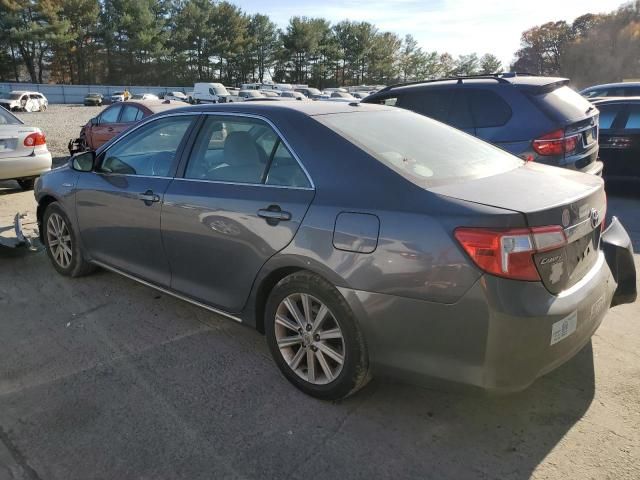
(595,217)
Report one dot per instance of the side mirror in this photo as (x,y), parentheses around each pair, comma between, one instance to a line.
(94,121)
(83,162)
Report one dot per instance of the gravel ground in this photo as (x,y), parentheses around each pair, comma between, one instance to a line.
(60,123)
(101,377)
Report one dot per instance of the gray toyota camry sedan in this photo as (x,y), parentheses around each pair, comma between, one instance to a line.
(361,239)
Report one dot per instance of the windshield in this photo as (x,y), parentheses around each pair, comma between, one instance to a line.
(94,95)
(424,151)
(564,103)
(118,93)
(313,91)
(7,118)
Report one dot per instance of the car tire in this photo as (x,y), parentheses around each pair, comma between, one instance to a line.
(56,227)
(43,108)
(334,345)
(26,183)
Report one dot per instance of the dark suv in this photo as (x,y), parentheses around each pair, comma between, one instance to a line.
(537,118)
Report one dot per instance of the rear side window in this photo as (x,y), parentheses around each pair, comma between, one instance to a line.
(632,92)
(129,114)
(633,121)
(460,112)
(608,114)
(424,152)
(434,103)
(563,104)
(488,109)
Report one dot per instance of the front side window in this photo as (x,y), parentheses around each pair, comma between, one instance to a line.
(150,150)
(110,115)
(424,152)
(242,150)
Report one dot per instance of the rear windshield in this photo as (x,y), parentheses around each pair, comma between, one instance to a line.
(424,151)
(564,104)
(7,118)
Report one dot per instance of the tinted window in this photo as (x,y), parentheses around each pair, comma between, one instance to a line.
(488,109)
(240,150)
(425,152)
(563,103)
(632,92)
(110,115)
(608,114)
(150,150)
(285,170)
(634,117)
(434,103)
(460,113)
(129,114)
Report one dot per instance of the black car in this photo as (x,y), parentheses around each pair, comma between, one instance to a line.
(93,99)
(620,138)
(536,118)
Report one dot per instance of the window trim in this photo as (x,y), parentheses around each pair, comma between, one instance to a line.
(183,162)
(189,140)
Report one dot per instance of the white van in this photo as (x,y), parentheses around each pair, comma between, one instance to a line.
(209,93)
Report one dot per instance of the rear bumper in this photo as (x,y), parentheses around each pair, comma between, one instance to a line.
(25,167)
(497,337)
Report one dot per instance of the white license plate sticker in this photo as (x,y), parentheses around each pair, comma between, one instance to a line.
(563,328)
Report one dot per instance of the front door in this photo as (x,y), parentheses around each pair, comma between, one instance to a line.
(119,204)
(241,200)
(106,128)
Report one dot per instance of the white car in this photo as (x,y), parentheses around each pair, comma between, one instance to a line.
(121,96)
(342,97)
(19,100)
(209,93)
(144,96)
(292,94)
(177,96)
(23,151)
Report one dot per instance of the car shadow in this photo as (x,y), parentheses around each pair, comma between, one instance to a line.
(9,186)
(477,436)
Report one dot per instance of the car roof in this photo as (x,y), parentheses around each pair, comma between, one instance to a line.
(156,106)
(264,107)
(609,100)
(523,80)
(21,92)
(616,85)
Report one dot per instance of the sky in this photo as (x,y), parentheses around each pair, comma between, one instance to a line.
(454,26)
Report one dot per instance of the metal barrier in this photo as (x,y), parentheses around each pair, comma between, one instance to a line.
(76,93)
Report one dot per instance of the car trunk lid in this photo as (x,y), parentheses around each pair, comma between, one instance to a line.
(12,140)
(547,196)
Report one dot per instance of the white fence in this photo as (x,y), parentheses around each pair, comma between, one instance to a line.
(76,93)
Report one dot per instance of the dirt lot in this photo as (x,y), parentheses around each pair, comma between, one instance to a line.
(103,378)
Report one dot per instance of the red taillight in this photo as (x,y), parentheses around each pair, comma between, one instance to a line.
(555,143)
(509,253)
(35,139)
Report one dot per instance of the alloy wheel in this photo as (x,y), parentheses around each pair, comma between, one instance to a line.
(309,338)
(59,240)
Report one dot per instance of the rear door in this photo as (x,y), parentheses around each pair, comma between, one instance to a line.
(118,205)
(241,197)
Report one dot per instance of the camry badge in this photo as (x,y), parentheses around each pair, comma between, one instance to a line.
(566,217)
(595,217)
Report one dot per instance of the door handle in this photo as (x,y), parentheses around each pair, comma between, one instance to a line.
(274,214)
(149,197)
